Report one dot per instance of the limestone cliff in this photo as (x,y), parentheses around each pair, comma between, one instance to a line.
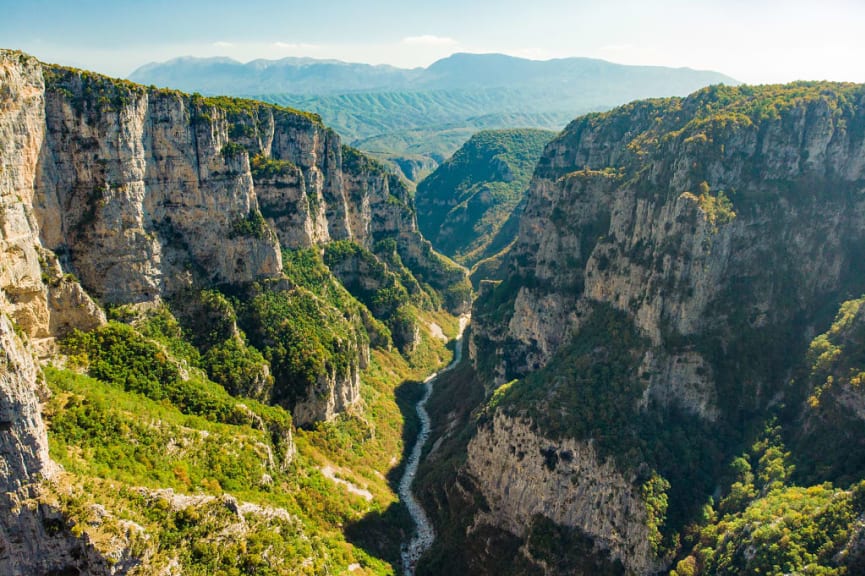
(40,299)
(720,228)
(143,193)
(522,474)
(693,224)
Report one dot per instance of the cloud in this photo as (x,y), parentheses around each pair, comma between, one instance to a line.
(429,40)
(223,44)
(294,46)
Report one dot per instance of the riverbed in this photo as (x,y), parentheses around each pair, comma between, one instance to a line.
(424,535)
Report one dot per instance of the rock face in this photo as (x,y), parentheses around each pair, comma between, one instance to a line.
(334,391)
(24,442)
(33,535)
(41,301)
(723,226)
(528,474)
(614,215)
(142,192)
(34,297)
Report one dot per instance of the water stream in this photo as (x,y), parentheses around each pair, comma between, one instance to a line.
(424,534)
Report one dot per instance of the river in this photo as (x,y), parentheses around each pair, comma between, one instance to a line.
(424,534)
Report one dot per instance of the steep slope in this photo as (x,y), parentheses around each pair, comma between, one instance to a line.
(201,227)
(144,194)
(36,302)
(155,163)
(674,259)
(466,205)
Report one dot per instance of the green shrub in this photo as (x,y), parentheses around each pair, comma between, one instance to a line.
(264,168)
(240,369)
(232,149)
(252,225)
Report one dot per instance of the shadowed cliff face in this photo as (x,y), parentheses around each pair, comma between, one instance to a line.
(723,229)
(693,222)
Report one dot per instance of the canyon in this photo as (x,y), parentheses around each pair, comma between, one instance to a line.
(125,206)
(218,324)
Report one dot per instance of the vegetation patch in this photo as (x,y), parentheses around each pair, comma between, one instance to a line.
(253,225)
(265,168)
(464,205)
(767,526)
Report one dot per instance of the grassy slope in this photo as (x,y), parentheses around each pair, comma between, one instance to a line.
(150,424)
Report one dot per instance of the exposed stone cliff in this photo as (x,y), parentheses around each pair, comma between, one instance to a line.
(724,227)
(631,208)
(522,474)
(142,193)
(146,191)
(36,303)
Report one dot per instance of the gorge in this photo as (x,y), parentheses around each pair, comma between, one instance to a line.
(218,325)
(424,535)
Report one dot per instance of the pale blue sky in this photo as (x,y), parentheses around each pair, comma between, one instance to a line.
(755,41)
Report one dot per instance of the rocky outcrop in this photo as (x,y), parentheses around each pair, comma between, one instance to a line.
(692,226)
(33,534)
(334,391)
(522,474)
(36,304)
(24,441)
(39,298)
(143,192)
(383,213)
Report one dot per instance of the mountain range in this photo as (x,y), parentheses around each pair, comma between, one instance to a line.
(456,72)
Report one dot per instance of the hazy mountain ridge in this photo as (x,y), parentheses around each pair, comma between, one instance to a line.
(462,70)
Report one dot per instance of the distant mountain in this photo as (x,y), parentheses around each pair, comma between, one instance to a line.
(416,131)
(310,76)
(293,75)
(414,118)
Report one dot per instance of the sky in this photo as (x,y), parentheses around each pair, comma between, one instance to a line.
(754,41)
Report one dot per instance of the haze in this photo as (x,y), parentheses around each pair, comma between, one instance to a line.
(754,41)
